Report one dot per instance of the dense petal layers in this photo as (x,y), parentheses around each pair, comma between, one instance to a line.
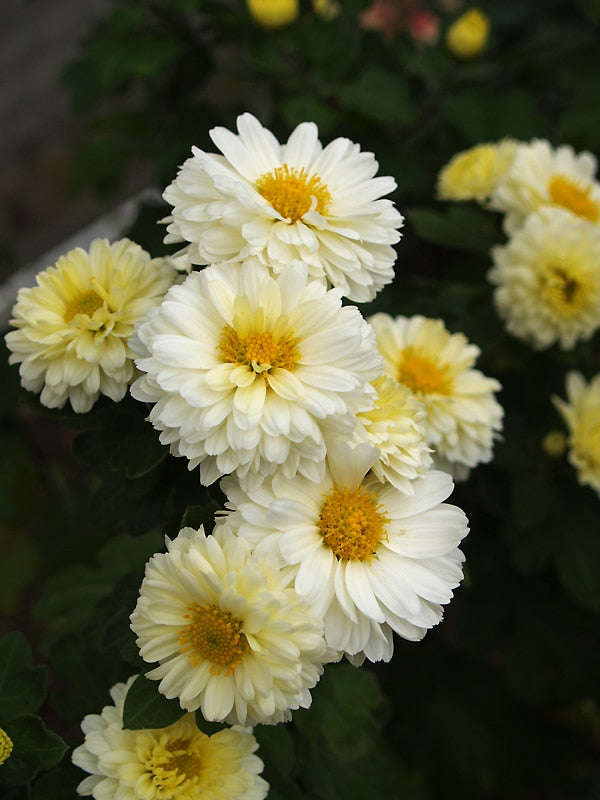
(284,202)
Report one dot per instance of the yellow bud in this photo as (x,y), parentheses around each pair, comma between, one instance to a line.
(273,13)
(554,444)
(6,746)
(327,9)
(468,34)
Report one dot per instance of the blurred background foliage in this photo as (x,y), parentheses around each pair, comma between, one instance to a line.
(502,699)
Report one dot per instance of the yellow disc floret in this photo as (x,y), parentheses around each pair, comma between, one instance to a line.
(291,192)
(6,746)
(174,765)
(352,524)
(84,303)
(213,635)
(260,351)
(576,198)
(422,375)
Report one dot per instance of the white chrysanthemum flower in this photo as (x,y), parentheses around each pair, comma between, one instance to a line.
(542,175)
(73,327)
(548,279)
(247,369)
(474,174)
(230,636)
(177,762)
(581,413)
(394,427)
(462,415)
(369,559)
(281,203)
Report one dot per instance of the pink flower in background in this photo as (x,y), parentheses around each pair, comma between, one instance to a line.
(424,26)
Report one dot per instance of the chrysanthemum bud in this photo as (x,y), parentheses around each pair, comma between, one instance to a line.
(273,13)
(468,34)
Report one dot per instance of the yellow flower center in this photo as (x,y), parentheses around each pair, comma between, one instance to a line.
(260,351)
(421,375)
(290,192)
(84,303)
(213,635)
(566,293)
(6,746)
(568,194)
(352,524)
(174,767)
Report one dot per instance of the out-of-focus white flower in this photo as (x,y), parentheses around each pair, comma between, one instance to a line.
(581,413)
(286,202)
(177,762)
(462,415)
(542,175)
(73,328)
(368,558)
(547,279)
(230,637)
(247,369)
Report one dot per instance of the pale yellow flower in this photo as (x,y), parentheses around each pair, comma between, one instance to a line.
(229,635)
(547,279)
(581,413)
(273,13)
(467,36)
(6,746)
(73,328)
(474,174)
(177,762)
(462,417)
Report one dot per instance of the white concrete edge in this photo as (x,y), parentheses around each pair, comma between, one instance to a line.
(109,226)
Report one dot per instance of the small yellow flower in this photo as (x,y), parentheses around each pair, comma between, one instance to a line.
(554,444)
(273,13)
(473,174)
(6,746)
(468,34)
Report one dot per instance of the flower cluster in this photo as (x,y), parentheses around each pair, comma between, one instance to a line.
(335,439)
(546,276)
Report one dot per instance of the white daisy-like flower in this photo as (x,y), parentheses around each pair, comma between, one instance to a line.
(475,173)
(394,427)
(463,417)
(247,369)
(547,279)
(581,413)
(368,558)
(542,175)
(286,202)
(230,636)
(73,328)
(177,762)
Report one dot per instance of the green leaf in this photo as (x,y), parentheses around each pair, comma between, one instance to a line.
(577,556)
(458,227)
(276,748)
(22,687)
(306,107)
(35,748)
(379,96)
(145,707)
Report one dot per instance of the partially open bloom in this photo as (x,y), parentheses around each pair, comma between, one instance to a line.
(273,13)
(286,202)
(230,637)
(247,369)
(474,174)
(394,427)
(581,413)
(178,762)
(73,328)
(367,558)
(542,175)
(467,36)
(462,415)
(547,279)
(6,746)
